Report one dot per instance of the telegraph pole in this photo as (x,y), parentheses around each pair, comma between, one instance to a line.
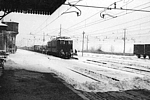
(60,31)
(34,40)
(83,43)
(87,43)
(124,39)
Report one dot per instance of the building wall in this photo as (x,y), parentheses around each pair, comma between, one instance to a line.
(8,37)
(2,41)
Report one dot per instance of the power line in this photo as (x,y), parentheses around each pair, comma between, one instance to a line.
(108,8)
(42,24)
(91,24)
(55,18)
(100,21)
(122,24)
(95,23)
(128,28)
(119,28)
(84,19)
(92,15)
(112,31)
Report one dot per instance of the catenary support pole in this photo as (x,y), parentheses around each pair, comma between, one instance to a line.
(87,43)
(124,39)
(83,43)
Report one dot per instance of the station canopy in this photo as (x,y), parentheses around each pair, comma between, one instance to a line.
(44,7)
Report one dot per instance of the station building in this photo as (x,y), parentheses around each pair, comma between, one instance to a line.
(8,33)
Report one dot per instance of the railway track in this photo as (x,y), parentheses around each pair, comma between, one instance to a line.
(120,63)
(113,95)
(120,66)
(95,76)
(105,79)
(144,63)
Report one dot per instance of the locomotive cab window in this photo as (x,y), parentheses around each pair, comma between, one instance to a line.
(69,42)
(66,42)
(62,42)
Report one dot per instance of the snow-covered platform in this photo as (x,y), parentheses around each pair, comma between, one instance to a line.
(91,72)
(97,77)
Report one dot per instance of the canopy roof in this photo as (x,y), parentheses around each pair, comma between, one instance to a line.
(45,7)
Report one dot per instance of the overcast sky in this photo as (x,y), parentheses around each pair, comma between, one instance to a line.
(137,24)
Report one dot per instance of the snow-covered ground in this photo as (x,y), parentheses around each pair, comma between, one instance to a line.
(125,63)
(84,75)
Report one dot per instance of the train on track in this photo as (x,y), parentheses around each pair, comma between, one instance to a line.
(59,46)
(63,47)
(142,50)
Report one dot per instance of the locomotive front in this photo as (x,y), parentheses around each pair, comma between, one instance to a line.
(65,47)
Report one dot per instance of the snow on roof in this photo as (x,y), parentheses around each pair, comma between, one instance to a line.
(141,43)
(61,38)
(3,25)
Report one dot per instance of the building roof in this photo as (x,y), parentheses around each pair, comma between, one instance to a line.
(45,7)
(2,25)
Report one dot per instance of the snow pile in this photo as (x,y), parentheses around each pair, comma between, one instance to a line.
(135,83)
(68,80)
(11,64)
(87,86)
(99,87)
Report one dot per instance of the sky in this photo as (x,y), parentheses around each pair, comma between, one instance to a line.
(108,31)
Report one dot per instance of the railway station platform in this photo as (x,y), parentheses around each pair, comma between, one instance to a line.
(19,84)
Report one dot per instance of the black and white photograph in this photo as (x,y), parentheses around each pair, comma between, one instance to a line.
(74,49)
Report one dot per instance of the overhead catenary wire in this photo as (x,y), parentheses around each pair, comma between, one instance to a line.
(111,33)
(100,21)
(109,8)
(74,25)
(90,16)
(96,14)
(88,25)
(54,19)
(123,24)
(119,31)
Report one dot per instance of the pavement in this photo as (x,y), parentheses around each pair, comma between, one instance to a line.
(20,84)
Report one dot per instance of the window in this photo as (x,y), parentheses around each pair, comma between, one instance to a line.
(69,42)
(62,42)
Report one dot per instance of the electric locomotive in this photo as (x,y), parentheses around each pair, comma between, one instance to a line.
(60,46)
